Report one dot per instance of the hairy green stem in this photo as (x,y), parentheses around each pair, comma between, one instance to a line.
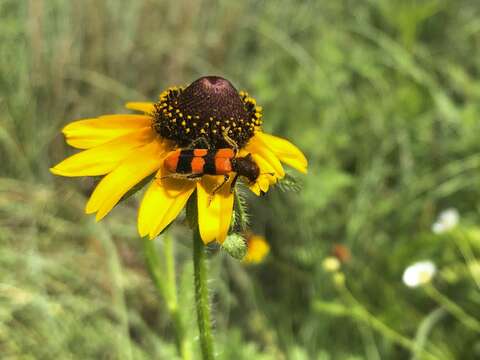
(164,280)
(240,212)
(201,297)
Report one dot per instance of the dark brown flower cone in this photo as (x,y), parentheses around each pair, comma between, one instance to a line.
(209,109)
(212,97)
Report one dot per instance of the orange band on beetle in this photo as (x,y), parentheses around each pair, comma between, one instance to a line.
(225,153)
(223,166)
(197,165)
(171,161)
(200,152)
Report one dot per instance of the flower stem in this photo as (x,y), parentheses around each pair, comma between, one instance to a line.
(201,297)
(172,302)
(453,308)
(164,280)
(359,312)
(241,215)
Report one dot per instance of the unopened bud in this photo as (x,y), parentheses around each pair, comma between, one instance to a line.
(235,246)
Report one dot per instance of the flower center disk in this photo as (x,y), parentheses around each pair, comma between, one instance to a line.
(210,108)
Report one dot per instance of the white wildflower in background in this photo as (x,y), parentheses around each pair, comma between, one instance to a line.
(447,220)
(419,273)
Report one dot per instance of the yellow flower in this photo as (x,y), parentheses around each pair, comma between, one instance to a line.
(127,149)
(331,264)
(257,249)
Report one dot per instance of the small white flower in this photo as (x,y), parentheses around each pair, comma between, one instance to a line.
(438,228)
(446,221)
(419,273)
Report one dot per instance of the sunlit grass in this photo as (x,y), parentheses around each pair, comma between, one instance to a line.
(382,96)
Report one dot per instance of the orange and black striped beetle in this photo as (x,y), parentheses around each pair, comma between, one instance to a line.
(194,163)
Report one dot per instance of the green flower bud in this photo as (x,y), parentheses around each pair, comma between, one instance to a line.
(235,246)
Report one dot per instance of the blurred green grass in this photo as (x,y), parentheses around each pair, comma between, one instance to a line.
(383,97)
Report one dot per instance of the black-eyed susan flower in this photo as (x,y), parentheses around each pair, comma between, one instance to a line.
(257,249)
(128,148)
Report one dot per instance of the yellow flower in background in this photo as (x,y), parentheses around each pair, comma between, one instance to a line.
(208,114)
(257,249)
(331,264)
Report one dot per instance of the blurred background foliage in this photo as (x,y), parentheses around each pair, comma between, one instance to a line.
(382,95)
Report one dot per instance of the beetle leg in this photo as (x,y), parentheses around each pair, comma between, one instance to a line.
(230,141)
(218,187)
(181,176)
(200,140)
(225,179)
(234,182)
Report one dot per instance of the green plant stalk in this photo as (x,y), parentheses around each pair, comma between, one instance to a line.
(240,213)
(464,245)
(166,288)
(114,264)
(358,311)
(425,328)
(172,300)
(452,308)
(201,297)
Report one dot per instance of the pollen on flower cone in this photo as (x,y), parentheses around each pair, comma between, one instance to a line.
(210,108)
(212,97)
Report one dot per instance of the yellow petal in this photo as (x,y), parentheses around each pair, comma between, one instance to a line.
(141,163)
(255,188)
(146,107)
(172,185)
(284,150)
(255,146)
(105,158)
(267,172)
(88,133)
(260,186)
(263,183)
(158,209)
(214,211)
